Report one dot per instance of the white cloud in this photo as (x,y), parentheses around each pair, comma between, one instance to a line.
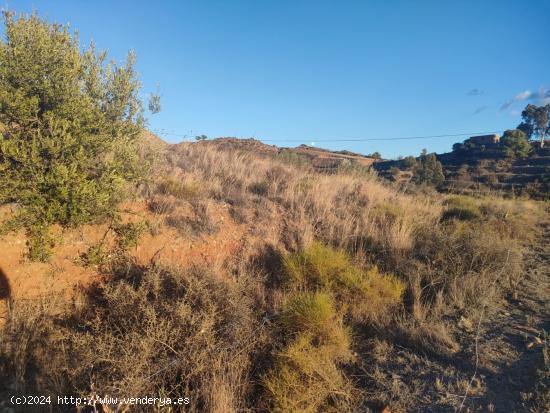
(526,94)
(542,97)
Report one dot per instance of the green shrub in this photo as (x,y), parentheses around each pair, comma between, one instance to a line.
(409,162)
(428,170)
(312,312)
(360,293)
(516,143)
(128,234)
(39,243)
(306,376)
(69,127)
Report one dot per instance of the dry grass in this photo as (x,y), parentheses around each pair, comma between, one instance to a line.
(345,209)
(351,259)
(149,331)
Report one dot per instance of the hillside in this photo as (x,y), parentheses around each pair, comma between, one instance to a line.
(484,170)
(491,170)
(322,160)
(247,281)
(468,172)
(231,276)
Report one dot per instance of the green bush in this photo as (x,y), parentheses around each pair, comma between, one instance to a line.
(409,162)
(69,126)
(313,312)
(516,143)
(306,376)
(39,243)
(360,293)
(128,234)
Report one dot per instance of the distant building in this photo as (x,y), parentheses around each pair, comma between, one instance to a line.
(484,140)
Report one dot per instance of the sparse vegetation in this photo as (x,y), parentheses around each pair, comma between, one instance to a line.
(308,292)
(353,261)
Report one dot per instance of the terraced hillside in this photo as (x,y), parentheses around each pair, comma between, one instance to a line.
(484,170)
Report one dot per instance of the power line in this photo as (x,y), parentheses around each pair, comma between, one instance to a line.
(298,140)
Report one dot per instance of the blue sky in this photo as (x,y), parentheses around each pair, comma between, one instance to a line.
(291,72)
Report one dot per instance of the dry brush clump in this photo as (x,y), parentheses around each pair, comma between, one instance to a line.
(155,331)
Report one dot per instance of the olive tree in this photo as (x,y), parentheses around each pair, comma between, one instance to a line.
(69,128)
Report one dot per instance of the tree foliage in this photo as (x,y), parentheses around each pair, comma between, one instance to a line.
(428,170)
(69,125)
(409,162)
(536,121)
(154,104)
(515,143)
(375,155)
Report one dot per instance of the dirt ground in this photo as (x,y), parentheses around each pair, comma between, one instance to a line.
(509,349)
